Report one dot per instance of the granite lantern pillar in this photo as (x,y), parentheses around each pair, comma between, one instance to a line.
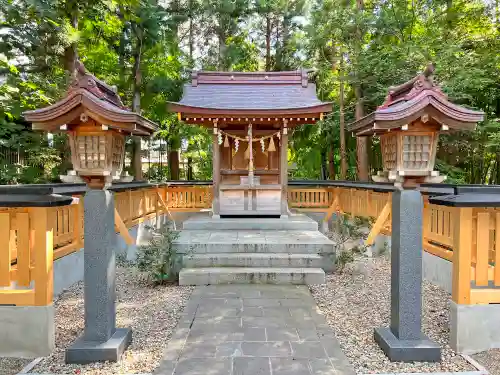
(96,122)
(408,124)
(404,340)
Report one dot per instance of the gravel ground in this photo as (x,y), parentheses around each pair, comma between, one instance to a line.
(151,312)
(9,366)
(490,360)
(358,300)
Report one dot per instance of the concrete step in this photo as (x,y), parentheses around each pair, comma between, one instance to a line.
(294,242)
(294,222)
(253,260)
(251,275)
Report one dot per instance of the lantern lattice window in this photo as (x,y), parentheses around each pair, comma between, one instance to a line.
(416,151)
(389,151)
(91,151)
(118,153)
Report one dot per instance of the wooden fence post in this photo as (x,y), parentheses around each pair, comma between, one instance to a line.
(462,255)
(5,250)
(43,254)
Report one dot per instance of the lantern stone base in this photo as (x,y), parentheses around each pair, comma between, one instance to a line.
(71,178)
(83,351)
(423,350)
(402,176)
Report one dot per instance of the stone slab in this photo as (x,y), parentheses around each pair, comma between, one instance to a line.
(253,260)
(294,222)
(90,351)
(251,275)
(474,328)
(248,241)
(26,331)
(422,350)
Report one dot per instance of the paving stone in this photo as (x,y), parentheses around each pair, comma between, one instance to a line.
(263,321)
(251,366)
(245,334)
(261,302)
(251,311)
(307,334)
(290,366)
(202,349)
(276,311)
(322,367)
(199,366)
(228,349)
(282,334)
(266,349)
(308,349)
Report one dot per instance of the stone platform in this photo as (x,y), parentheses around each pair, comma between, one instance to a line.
(249,250)
(253,330)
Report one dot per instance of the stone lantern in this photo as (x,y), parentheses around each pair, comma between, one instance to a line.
(97,122)
(409,123)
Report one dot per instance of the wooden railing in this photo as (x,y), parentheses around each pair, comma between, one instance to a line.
(30,238)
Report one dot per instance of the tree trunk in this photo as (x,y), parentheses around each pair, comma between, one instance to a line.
(268,43)
(222,51)
(191,34)
(361,142)
(136,107)
(331,163)
(173,163)
(71,51)
(343,156)
(189,176)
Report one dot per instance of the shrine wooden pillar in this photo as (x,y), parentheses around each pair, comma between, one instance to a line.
(216,172)
(284,169)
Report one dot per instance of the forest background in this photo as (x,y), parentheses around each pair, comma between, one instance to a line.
(147,48)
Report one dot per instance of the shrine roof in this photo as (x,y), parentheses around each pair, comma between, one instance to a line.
(250,93)
(409,101)
(90,96)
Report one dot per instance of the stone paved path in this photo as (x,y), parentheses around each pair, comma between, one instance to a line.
(253,330)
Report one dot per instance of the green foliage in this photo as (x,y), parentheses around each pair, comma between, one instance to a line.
(158,259)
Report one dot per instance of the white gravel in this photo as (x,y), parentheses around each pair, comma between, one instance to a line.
(151,312)
(358,300)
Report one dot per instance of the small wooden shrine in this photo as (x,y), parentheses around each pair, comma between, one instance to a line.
(97,123)
(409,123)
(250,114)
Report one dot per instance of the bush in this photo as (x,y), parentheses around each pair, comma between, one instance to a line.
(158,258)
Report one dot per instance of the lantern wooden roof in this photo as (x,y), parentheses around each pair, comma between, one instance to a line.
(256,97)
(92,98)
(419,97)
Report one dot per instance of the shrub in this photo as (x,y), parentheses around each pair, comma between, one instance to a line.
(158,258)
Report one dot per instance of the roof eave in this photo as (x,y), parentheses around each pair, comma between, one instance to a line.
(80,101)
(182,108)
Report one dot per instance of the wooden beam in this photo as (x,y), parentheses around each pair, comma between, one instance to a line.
(44,256)
(23,250)
(482,248)
(165,207)
(284,169)
(123,230)
(379,224)
(6,250)
(462,255)
(333,208)
(216,172)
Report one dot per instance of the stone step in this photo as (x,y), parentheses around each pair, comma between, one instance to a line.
(294,222)
(251,275)
(254,260)
(294,242)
